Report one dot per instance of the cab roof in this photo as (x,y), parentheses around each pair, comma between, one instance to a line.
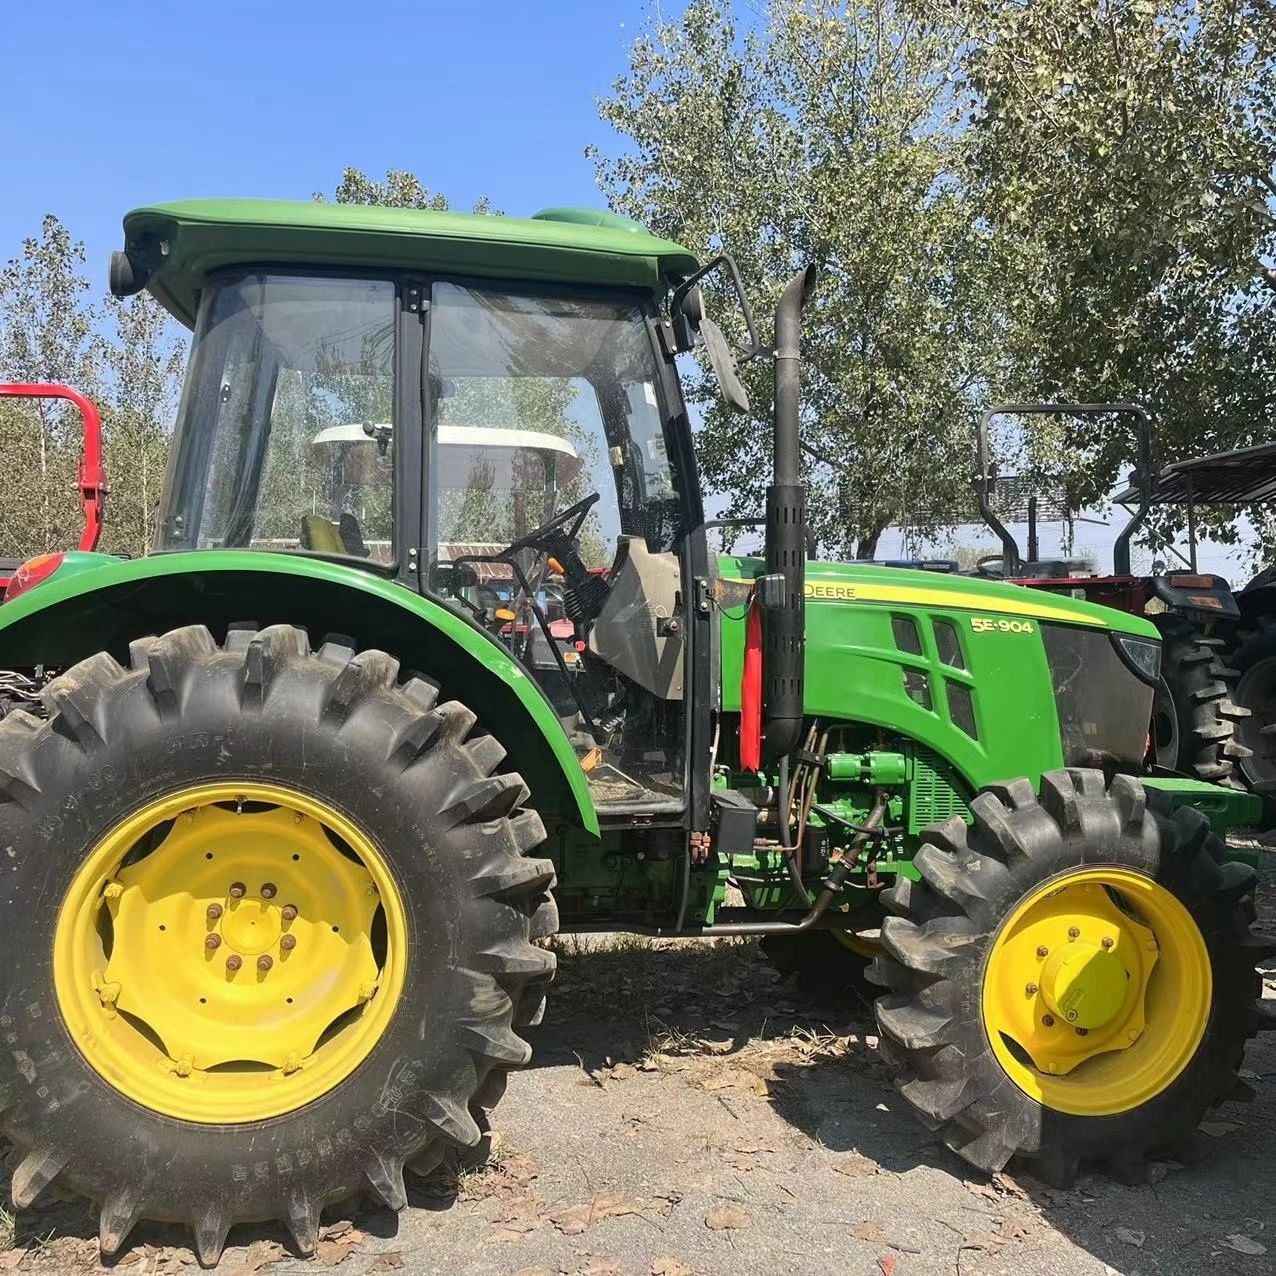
(560,245)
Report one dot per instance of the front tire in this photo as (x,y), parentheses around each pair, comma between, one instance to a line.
(183,1048)
(1072,980)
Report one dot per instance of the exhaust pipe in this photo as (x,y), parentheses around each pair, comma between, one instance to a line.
(784,626)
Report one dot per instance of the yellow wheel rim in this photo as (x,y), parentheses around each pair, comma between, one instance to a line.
(230,953)
(1097,991)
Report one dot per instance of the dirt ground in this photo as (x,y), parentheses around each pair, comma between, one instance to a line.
(686,1112)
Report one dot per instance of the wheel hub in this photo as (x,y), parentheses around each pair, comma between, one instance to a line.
(239,945)
(250,926)
(1085,985)
(1096,991)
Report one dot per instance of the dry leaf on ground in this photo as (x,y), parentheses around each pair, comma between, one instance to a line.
(1128,1236)
(727,1218)
(576,1218)
(666,1266)
(1015,1229)
(337,1243)
(869,1230)
(258,1255)
(1244,1244)
(982,1240)
(1216,1129)
(1011,1187)
(390,1261)
(855,1165)
(730,1079)
(599,1267)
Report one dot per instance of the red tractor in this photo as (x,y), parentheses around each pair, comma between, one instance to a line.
(17,575)
(1196,721)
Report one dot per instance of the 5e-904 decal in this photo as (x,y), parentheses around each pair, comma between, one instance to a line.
(982,625)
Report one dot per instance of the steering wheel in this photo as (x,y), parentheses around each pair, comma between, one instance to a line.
(573,515)
(984,565)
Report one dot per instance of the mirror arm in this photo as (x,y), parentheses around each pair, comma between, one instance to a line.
(756,349)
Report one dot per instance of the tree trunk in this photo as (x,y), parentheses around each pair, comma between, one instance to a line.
(867,546)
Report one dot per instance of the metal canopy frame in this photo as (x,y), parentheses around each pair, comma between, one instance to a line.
(985,481)
(1242,476)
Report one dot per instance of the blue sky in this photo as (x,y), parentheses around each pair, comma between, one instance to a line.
(111,105)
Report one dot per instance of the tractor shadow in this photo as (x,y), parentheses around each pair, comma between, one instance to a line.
(697,1007)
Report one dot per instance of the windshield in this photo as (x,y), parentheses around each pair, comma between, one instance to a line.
(285,435)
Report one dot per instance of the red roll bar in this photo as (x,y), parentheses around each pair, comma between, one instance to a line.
(90,478)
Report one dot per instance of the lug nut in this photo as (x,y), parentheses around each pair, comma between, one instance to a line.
(237,890)
(288,912)
(1107,941)
(265,961)
(1031,990)
(233,963)
(113,890)
(214,912)
(1073,932)
(1043,951)
(1071,1016)
(184,1066)
(1082,1032)
(288,943)
(212,942)
(1048,1020)
(269,890)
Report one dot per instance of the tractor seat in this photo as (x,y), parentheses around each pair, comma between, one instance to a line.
(325,537)
(1053,569)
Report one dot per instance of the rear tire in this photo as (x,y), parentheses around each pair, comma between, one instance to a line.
(447,833)
(1196,717)
(1254,659)
(1058,1098)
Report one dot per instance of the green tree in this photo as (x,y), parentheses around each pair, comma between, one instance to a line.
(1124,152)
(124,356)
(143,358)
(46,334)
(399,189)
(829,133)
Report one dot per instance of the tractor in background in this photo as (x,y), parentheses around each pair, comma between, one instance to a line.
(290,808)
(1241,477)
(1197,719)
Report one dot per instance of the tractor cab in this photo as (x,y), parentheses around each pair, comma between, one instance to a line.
(514,450)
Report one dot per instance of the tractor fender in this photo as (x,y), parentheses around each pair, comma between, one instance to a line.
(95,602)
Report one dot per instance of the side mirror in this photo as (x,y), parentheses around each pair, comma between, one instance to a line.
(724,366)
(687,317)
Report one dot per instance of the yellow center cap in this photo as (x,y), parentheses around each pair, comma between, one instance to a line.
(251,926)
(1085,985)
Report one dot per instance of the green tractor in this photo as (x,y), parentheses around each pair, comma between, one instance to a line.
(291,801)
